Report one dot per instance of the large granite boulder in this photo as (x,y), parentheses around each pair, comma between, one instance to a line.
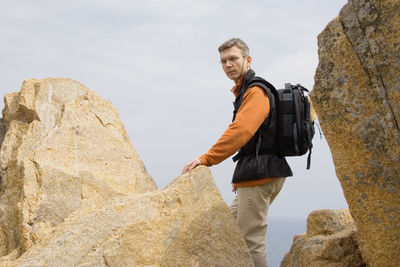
(74,192)
(330,241)
(64,148)
(185,224)
(357,98)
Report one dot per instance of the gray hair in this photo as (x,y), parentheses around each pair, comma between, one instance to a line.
(235,42)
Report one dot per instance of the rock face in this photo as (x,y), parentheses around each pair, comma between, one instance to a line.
(64,148)
(330,241)
(74,191)
(186,224)
(357,98)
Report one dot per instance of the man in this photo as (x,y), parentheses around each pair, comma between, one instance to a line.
(260,172)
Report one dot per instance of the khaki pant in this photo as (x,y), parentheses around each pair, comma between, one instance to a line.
(250,209)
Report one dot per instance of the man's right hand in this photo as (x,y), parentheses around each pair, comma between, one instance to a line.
(191,165)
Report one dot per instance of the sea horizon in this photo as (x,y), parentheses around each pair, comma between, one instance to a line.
(280,234)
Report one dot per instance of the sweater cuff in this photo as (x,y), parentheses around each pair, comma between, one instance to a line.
(204,161)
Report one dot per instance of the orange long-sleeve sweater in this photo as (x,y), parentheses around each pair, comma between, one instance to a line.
(251,114)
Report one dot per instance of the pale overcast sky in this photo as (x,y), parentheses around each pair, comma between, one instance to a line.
(157,61)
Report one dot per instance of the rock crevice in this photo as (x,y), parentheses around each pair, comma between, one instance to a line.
(362,45)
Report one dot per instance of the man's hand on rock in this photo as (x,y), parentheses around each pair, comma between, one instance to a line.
(191,165)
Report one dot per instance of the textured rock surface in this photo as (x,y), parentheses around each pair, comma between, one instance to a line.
(64,148)
(185,224)
(330,241)
(357,99)
(328,222)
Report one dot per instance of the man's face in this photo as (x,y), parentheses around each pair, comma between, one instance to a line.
(234,64)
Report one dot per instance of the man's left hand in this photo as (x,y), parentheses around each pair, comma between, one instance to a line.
(191,165)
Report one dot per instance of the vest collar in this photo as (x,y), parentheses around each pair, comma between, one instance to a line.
(242,82)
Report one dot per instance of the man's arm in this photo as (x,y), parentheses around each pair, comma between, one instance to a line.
(251,114)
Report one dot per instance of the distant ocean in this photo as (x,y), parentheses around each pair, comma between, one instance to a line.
(280,235)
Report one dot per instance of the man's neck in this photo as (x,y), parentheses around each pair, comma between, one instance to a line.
(240,79)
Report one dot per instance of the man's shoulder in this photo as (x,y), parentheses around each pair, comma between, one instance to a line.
(255,91)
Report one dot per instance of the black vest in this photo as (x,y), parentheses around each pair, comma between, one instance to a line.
(259,158)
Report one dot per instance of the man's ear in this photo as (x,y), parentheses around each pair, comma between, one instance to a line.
(248,62)
(249,59)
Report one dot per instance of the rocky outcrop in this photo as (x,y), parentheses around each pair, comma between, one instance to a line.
(74,191)
(185,224)
(330,241)
(64,148)
(357,98)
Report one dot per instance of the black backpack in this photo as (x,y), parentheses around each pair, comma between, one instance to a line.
(295,130)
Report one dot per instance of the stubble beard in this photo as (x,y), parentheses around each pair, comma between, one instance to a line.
(235,76)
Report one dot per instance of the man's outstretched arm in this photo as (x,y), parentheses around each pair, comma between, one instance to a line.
(251,114)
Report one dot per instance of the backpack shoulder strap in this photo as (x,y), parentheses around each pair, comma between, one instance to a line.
(261,82)
(268,87)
